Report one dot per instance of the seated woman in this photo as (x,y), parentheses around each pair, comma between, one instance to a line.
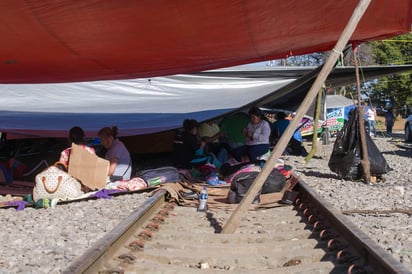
(77,136)
(257,135)
(119,157)
(210,133)
(186,144)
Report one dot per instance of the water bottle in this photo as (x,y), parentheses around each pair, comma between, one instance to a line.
(203,200)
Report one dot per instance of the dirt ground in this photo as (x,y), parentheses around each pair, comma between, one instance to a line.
(398,126)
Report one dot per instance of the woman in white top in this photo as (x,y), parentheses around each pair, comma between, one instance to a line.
(257,135)
(117,154)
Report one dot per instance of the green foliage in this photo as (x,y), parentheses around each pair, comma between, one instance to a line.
(397,88)
(393,51)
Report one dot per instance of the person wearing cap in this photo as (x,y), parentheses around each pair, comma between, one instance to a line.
(257,135)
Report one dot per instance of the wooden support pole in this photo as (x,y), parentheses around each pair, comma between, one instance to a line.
(237,215)
(361,110)
(312,152)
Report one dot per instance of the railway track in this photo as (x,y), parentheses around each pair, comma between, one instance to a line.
(306,237)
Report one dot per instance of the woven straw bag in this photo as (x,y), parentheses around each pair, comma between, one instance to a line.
(55,183)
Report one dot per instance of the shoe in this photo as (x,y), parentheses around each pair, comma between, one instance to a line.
(190,195)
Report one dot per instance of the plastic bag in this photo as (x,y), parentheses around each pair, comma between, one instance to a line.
(347,152)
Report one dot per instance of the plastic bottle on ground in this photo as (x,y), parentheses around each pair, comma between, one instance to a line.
(203,200)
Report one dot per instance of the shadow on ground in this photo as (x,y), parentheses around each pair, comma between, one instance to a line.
(318,174)
(401,152)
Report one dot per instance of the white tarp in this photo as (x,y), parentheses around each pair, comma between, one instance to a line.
(148,105)
(137,106)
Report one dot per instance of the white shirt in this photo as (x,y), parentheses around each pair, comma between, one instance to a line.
(261,133)
(118,150)
(371,114)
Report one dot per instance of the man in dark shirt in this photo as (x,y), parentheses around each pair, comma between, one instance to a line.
(186,145)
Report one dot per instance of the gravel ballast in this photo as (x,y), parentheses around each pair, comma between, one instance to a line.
(382,210)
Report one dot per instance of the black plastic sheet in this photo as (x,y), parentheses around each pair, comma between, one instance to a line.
(346,156)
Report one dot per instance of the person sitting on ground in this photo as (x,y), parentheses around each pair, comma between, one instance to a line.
(210,133)
(257,135)
(119,157)
(278,127)
(295,145)
(77,136)
(186,145)
(10,168)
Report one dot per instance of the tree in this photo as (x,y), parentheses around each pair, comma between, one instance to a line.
(396,88)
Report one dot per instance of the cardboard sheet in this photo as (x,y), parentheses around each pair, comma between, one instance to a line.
(90,169)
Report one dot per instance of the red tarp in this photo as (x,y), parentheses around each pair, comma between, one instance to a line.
(65,40)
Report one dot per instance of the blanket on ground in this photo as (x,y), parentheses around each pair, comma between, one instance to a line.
(180,191)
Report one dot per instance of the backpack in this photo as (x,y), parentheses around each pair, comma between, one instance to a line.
(242,181)
(166,173)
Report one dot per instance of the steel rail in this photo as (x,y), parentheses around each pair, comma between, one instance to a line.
(372,254)
(94,258)
(366,254)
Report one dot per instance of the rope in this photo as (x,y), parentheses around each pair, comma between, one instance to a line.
(337,51)
(380,129)
(36,167)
